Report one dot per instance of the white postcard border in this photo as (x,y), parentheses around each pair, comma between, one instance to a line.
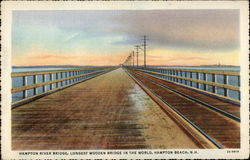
(9,6)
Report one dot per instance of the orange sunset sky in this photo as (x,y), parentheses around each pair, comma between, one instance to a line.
(107,37)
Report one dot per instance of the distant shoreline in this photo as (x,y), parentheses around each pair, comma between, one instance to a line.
(77,66)
(54,66)
(217,66)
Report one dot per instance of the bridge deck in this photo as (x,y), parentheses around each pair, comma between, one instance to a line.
(108,112)
(220,126)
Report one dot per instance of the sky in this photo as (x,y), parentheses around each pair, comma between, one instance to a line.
(107,37)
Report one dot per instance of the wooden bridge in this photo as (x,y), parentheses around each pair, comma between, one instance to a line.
(125,108)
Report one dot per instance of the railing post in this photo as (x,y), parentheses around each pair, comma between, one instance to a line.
(191,76)
(61,78)
(239,86)
(34,82)
(66,75)
(57,79)
(197,77)
(71,74)
(238,77)
(161,73)
(205,79)
(51,78)
(44,78)
(213,80)
(225,79)
(181,80)
(76,79)
(69,77)
(74,75)
(25,93)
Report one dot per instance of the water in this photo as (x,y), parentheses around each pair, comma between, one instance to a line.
(31,69)
(203,68)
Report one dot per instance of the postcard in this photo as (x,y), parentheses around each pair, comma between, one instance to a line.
(124,80)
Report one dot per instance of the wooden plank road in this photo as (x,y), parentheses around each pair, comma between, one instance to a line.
(108,112)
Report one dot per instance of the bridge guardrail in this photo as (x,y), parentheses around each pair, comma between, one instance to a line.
(28,85)
(222,83)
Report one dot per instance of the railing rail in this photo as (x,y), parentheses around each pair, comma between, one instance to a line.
(222,83)
(27,85)
(18,74)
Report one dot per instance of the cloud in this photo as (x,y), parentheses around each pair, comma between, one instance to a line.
(204,29)
(154,57)
(106,35)
(187,59)
(49,56)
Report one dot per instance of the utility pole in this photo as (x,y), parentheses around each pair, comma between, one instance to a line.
(137,48)
(144,49)
(127,62)
(133,55)
(130,61)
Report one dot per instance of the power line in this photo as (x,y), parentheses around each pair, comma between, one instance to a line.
(137,51)
(133,55)
(144,49)
(130,61)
